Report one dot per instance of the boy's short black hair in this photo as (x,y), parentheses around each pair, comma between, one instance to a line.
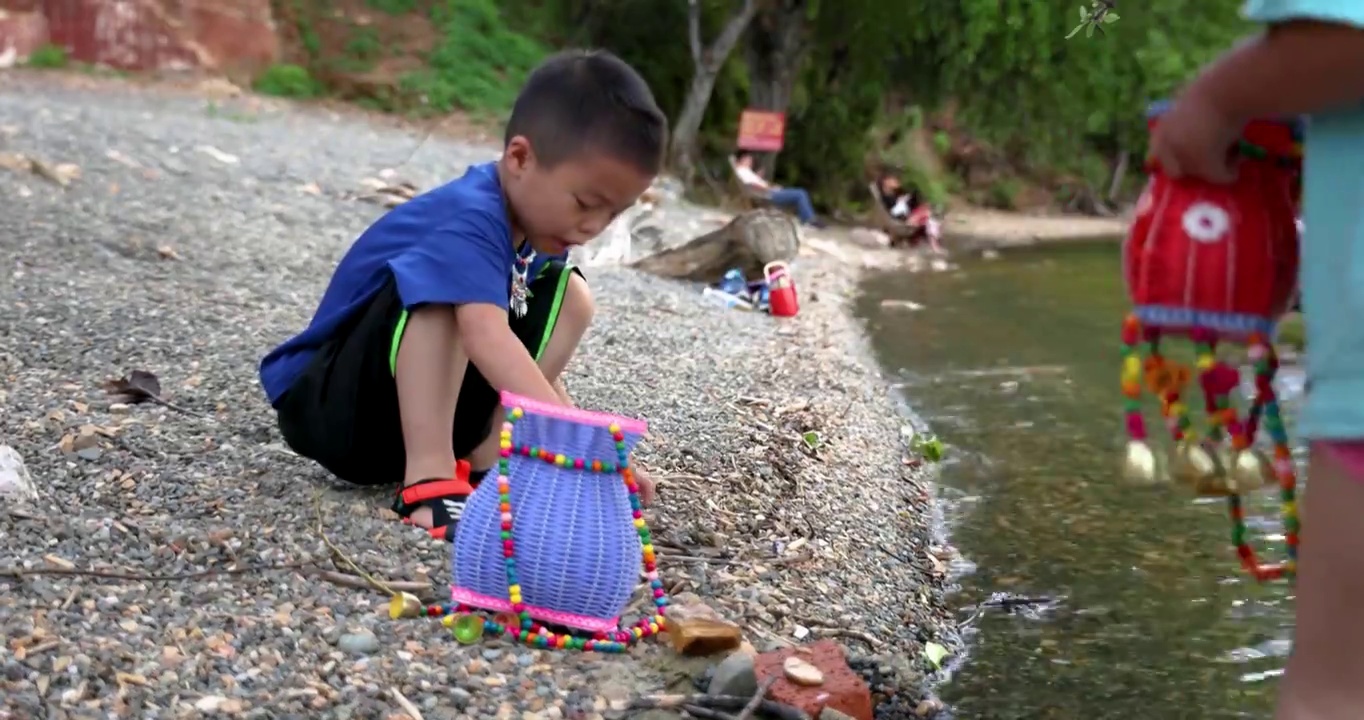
(578,100)
(740,155)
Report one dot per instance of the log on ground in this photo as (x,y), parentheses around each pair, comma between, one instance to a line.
(748,242)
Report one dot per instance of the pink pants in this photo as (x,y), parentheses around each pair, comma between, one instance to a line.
(1349,453)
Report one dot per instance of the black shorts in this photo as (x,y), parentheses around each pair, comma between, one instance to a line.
(342,411)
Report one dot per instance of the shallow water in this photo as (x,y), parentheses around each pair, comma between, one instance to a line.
(1013,363)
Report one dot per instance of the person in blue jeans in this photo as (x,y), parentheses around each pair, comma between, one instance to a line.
(794,198)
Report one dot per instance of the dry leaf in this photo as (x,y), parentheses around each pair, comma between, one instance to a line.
(138,386)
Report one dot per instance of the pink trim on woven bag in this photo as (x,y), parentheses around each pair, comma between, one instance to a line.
(461,596)
(586,417)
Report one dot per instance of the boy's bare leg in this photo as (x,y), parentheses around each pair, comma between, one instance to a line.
(1323,681)
(429,373)
(575,315)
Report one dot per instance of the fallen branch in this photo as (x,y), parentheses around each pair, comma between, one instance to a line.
(420,589)
(802,557)
(20,573)
(702,713)
(340,558)
(306,568)
(777,710)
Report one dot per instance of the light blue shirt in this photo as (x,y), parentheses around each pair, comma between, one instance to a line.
(1333,247)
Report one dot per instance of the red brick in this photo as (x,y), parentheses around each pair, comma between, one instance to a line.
(21,32)
(842,689)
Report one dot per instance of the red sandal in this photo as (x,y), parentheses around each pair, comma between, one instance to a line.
(445,496)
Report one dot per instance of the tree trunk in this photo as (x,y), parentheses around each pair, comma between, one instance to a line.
(776,51)
(706,62)
(747,242)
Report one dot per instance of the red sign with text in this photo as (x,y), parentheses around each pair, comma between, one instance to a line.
(761,131)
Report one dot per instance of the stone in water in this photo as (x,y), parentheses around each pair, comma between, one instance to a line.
(801,672)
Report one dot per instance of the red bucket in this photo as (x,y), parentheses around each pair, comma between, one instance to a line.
(781,290)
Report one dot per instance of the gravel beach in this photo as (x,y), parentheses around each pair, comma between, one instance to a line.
(196,237)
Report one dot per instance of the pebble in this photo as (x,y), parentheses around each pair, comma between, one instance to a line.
(361,643)
(802,672)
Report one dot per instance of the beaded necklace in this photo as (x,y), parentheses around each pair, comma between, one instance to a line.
(469,627)
(519,287)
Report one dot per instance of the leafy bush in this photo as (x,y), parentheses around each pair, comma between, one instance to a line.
(48,57)
(479,64)
(290,81)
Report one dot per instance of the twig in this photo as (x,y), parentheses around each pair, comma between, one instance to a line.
(359,583)
(337,555)
(178,408)
(758,697)
(406,704)
(19,573)
(41,648)
(702,713)
(803,557)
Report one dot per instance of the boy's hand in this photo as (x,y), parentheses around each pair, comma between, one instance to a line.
(646,486)
(1195,139)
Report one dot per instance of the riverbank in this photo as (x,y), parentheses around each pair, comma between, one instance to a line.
(189,241)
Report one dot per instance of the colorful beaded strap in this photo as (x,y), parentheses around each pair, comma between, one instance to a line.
(469,627)
(1167,380)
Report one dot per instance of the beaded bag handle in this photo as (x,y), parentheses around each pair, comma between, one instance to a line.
(1163,380)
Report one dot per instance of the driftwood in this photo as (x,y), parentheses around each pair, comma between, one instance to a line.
(748,242)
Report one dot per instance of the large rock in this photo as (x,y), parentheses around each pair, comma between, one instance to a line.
(230,36)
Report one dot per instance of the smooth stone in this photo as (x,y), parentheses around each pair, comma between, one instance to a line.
(801,672)
(735,675)
(360,643)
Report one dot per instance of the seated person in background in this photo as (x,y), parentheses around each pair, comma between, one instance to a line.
(910,209)
(794,198)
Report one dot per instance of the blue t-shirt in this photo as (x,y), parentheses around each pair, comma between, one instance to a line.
(450,246)
(1333,244)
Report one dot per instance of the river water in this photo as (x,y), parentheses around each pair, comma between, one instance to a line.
(1013,363)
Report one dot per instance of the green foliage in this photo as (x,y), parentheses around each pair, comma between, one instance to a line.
(48,57)
(479,63)
(1050,102)
(1004,193)
(289,81)
(1056,110)
(1094,17)
(364,48)
(392,7)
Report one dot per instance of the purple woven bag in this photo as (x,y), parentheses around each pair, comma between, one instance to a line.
(578,554)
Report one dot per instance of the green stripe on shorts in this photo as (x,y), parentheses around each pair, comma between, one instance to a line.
(560,289)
